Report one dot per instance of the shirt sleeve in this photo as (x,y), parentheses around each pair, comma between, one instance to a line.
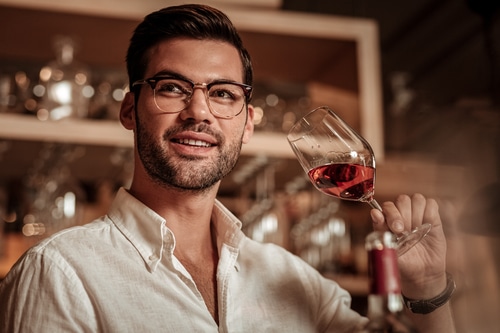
(43,294)
(332,308)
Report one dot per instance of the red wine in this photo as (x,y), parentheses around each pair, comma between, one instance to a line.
(345,181)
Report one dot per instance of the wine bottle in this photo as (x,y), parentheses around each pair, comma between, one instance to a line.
(385,304)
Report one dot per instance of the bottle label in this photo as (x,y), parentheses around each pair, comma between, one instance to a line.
(384,272)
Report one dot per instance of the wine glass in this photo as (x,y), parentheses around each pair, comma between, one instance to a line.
(341,163)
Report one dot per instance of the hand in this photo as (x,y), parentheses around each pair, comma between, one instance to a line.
(423,267)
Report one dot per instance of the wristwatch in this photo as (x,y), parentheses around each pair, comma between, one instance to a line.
(425,306)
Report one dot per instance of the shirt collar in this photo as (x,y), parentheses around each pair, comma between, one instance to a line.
(227,226)
(148,233)
(142,226)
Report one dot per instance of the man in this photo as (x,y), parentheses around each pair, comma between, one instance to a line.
(168,256)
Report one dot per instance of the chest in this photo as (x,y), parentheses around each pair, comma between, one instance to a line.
(204,275)
(176,296)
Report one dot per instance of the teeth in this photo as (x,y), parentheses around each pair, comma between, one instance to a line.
(192,142)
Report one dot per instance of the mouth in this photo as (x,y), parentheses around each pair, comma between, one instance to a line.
(194,143)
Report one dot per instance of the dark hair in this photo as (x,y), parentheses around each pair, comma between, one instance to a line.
(192,21)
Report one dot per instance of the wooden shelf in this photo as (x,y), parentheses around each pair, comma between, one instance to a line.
(111,133)
(78,131)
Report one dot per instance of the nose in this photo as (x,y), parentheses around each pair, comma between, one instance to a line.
(197,108)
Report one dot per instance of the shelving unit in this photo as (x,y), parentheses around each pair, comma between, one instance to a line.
(337,58)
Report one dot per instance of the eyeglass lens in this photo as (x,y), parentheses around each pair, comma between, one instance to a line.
(224,99)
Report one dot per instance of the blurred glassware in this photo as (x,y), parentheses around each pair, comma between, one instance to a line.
(3,212)
(265,221)
(64,88)
(110,90)
(56,196)
(323,239)
(7,96)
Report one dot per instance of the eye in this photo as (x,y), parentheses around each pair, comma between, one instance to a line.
(171,87)
(225,92)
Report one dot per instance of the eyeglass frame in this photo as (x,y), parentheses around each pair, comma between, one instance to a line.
(153,81)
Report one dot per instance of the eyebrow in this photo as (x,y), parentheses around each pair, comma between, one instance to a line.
(171,74)
(176,75)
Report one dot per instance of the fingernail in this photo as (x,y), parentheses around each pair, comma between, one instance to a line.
(374,215)
(398,226)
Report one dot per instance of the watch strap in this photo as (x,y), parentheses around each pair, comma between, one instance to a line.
(428,305)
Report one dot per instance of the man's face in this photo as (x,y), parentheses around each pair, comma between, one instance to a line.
(193,149)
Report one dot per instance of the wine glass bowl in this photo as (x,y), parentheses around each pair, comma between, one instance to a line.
(340,162)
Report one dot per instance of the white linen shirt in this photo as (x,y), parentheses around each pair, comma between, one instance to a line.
(118,274)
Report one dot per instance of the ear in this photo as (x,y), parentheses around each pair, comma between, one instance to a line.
(249,127)
(127,111)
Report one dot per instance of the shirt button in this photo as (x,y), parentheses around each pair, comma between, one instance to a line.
(153,257)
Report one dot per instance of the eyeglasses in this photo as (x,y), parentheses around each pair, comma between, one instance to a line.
(226,99)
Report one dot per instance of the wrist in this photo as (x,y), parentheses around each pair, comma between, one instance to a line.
(428,305)
(424,287)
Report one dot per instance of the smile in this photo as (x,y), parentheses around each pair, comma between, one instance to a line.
(191,142)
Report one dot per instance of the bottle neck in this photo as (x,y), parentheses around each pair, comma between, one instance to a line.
(65,56)
(65,49)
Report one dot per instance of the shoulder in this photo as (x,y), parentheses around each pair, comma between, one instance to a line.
(62,247)
(275,268)
(75,237)
(48,276)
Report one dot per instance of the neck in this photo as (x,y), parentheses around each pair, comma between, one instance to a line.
(165,199)
(187,214)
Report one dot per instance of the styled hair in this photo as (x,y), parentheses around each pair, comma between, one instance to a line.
(191,21)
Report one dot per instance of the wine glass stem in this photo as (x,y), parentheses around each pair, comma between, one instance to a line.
(374,204)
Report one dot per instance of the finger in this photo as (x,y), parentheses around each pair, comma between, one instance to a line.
(393,217)
(378,219)
(419,206)
(431,213)
(404,206)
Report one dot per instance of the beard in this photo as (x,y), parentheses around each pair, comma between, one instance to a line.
(187,173)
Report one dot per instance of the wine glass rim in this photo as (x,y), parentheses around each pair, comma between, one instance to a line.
(298,130)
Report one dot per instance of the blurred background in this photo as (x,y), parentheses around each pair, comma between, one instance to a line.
(420,80)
